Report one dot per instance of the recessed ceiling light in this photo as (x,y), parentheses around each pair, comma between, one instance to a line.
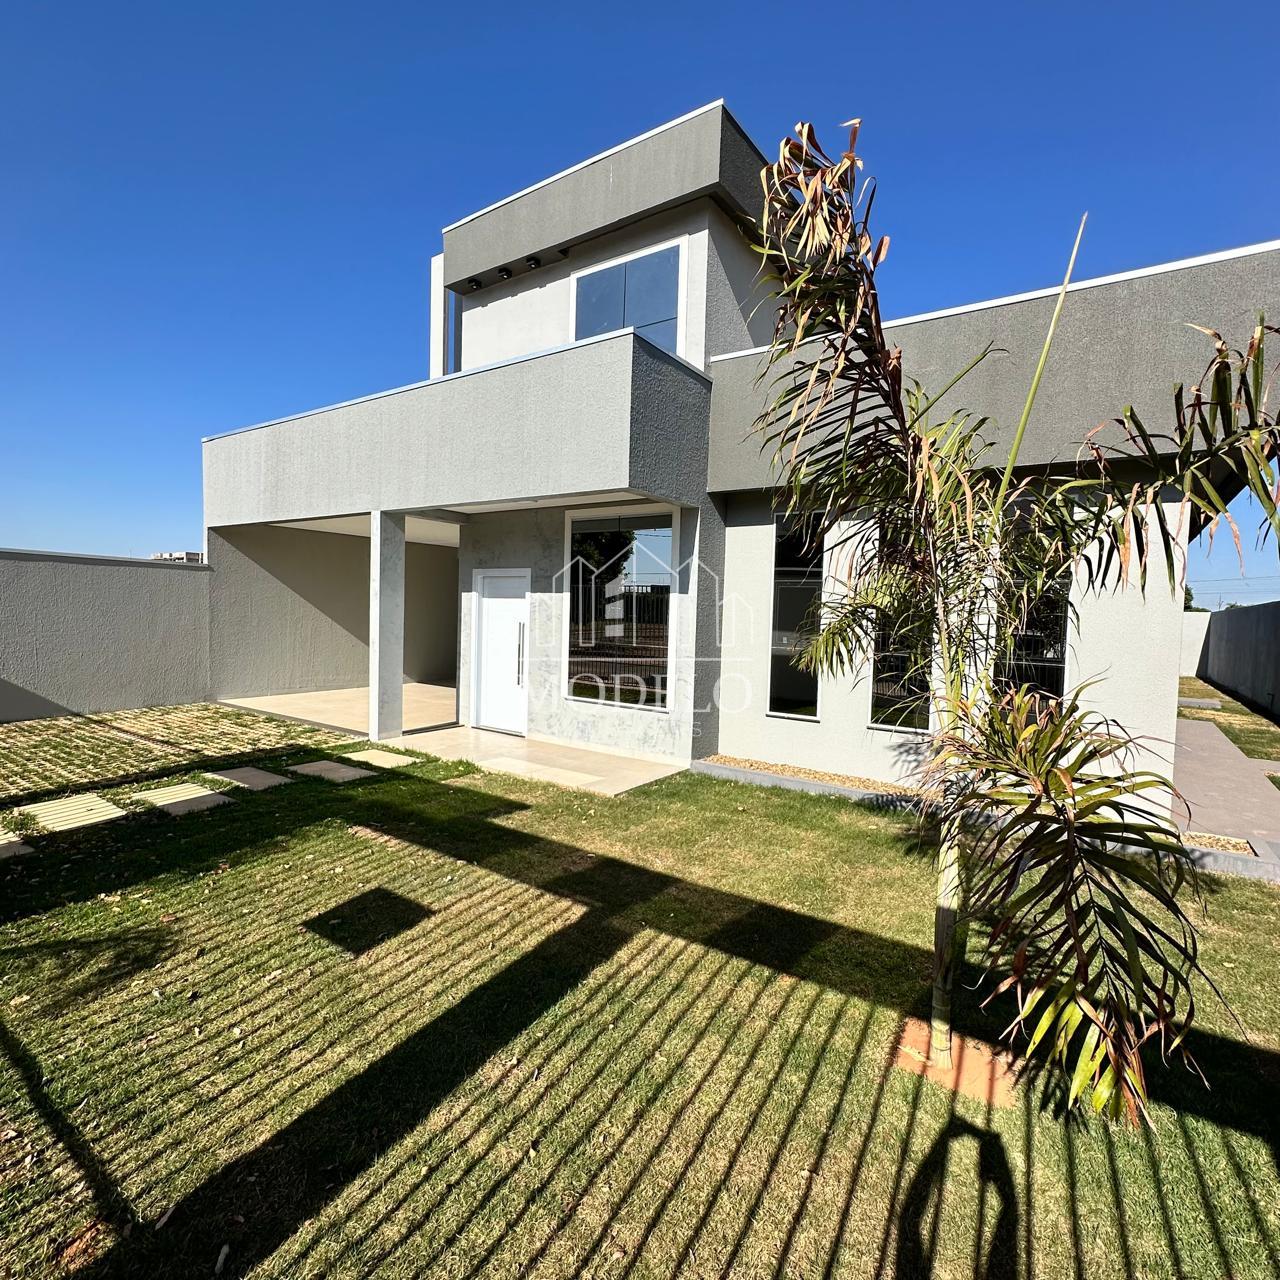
(473,284)
(504,273)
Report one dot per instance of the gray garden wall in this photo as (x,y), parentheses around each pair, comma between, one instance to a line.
(94,633)
(1243,654)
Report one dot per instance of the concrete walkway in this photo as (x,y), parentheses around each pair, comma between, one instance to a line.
(1229,793)
(584,770)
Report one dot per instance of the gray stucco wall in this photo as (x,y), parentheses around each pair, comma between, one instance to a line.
(1243,654)
(1195,642)
(290,611)
(535,540)
(553,425)
(721,291)
(1122,343)
(89,633)
(707,154)
(1126,641)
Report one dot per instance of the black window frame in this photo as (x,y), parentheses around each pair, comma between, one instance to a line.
(643,607)
(790,530)
(1014,671)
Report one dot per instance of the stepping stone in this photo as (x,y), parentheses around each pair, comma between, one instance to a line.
(10,845)
(383,759)
(182,797)
(1207,704)
(72,812)
(331,771)
(250,778)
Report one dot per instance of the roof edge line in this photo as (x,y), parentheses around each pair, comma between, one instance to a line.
(582,164)
(1179,264)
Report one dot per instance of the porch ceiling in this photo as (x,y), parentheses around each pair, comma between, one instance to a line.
(440,533)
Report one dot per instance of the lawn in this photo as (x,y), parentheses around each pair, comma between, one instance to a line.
(42,758)
(1252,732)
(438,1022)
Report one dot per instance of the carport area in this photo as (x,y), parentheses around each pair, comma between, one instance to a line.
(308,617)
(426,706)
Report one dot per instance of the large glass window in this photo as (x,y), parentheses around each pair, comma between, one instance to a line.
(619,581)
(797,588)
(1039,654)
(640,294)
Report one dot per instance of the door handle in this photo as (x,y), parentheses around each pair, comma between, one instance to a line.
(519,654)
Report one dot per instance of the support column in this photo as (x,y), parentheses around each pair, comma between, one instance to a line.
(386,625)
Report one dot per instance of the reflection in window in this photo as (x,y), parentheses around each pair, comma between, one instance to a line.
(641,294)
(899,682)
(1039,656)
(619,582)
(797,586)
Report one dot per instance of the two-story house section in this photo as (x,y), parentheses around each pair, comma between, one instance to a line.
(568,530)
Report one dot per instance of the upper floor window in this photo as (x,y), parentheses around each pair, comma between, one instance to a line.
(639,293)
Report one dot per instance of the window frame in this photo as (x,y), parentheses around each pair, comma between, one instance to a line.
(596,513)
(881,726)
(681,243)
(816,718)
(1067,626)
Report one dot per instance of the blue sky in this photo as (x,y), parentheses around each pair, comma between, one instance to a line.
(214,215)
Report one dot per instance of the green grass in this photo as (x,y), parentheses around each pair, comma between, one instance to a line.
(641,1036)
(44,758)
(1253,733)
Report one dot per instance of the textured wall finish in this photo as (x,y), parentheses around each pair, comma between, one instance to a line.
(557,424)
(1121,343)
(535,540)
(89,633)
(1195,643)
(705,154)
(290,611)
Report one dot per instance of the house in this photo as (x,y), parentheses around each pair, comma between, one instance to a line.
(569,525)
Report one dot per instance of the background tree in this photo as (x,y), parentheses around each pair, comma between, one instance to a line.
(940,551)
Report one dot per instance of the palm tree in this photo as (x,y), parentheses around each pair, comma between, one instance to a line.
(942,552)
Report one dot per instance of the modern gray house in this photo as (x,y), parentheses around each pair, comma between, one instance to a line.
(568,529)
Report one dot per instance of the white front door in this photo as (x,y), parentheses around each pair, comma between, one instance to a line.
(501,649)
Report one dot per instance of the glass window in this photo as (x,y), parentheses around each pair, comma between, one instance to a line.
(899,683)
(620,575)
(797,588)
(599,304)
(641,294)
(1039,655)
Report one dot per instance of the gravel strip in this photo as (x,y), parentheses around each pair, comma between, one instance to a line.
(815,775)
(1224,844)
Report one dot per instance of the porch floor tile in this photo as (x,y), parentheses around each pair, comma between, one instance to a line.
(579,767)
(426,706)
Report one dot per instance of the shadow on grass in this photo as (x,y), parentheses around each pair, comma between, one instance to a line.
(254,1203)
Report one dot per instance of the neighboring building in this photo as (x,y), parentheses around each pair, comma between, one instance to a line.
(572,519)
(179,557)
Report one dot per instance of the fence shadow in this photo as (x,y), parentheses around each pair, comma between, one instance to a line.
(730,990)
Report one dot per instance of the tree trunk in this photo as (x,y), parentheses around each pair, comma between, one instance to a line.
(948,941)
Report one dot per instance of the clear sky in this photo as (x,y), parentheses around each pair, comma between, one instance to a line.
(217,214)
